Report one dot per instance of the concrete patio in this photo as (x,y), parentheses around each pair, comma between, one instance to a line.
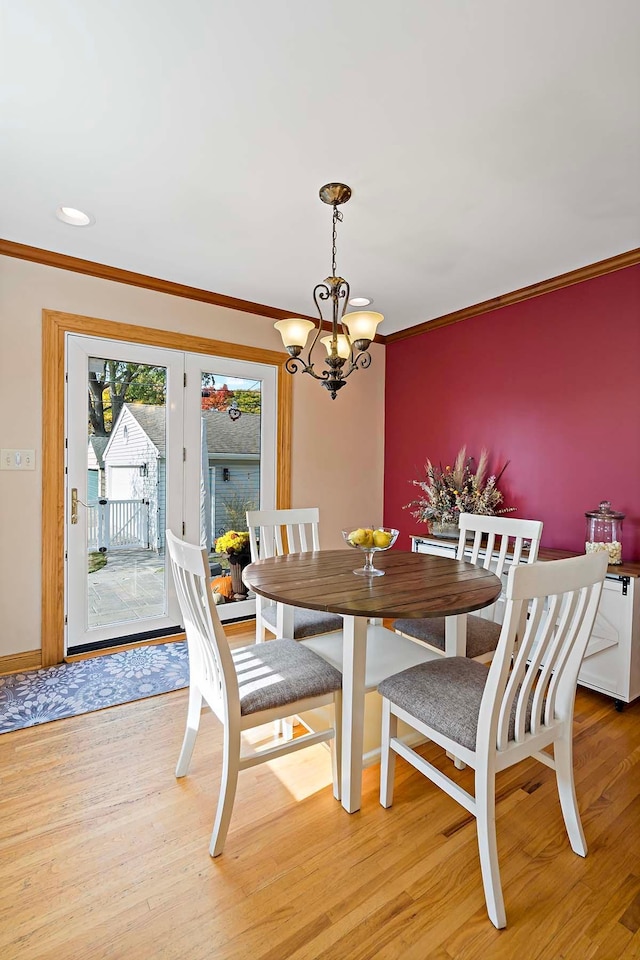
(131,586)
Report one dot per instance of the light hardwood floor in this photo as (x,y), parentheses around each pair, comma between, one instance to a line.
(104,854)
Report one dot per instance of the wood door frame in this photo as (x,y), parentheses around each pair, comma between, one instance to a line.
(55,326)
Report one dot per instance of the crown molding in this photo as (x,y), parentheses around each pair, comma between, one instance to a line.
(599,269)
(62,261)
(49,258)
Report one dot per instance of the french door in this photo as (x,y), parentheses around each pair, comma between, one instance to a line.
(155,439)
(230,454)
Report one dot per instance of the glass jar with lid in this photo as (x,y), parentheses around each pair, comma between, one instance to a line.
(604,531)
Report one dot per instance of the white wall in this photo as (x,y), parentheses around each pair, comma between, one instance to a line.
(337,453)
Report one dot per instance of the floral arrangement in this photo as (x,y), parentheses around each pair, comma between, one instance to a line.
(233,542)
(449,492)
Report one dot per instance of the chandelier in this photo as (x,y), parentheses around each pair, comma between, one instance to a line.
(348,344)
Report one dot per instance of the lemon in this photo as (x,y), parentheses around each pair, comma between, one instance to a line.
(362,537)
(382,538)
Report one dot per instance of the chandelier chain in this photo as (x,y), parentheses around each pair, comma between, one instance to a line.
(334,248)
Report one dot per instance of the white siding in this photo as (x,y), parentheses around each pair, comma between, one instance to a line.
(133,472)
(241,490)
(92,460)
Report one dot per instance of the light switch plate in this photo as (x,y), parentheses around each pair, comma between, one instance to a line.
(17,459)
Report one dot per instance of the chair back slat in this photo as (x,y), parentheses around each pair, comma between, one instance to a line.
(520,655)
(577,615)
(501,559)
(210,661)
(475,546)
(292,539)
(523,674)
(544,661)
(533,675)
(303,542)
(254,543)
(491,545)
(517,551)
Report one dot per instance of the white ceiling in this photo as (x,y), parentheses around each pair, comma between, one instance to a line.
(489,144)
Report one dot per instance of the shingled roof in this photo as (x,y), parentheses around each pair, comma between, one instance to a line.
(152,419)
(224,435)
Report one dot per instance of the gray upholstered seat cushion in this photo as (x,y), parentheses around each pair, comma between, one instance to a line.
(446,695)
(279,672)
(482,635)
(307,623)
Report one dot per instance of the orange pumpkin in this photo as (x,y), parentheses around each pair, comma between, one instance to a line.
(222,585)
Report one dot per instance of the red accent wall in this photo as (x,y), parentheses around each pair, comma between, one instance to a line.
(552,385)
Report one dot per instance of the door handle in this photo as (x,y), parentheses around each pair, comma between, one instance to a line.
(74,505)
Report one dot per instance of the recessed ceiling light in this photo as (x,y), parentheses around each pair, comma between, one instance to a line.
(360,301)
(74,217)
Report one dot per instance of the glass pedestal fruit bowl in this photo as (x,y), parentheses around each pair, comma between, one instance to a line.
(370,540)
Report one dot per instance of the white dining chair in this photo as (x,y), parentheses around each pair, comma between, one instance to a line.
(246,687)
(503,542)
(493,717)
(273,533)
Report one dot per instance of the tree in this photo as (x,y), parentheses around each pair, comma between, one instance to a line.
(119,381)
(216,399)
(248,400)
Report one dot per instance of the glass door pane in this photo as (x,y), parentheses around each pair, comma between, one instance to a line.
(127,450)
(231,410)
(235,404)
(120,478)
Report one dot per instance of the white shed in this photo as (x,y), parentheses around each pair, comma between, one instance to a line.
(134,462)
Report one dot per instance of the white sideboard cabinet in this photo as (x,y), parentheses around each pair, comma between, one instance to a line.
(612,661)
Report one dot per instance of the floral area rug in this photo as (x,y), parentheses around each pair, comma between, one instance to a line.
(68,689)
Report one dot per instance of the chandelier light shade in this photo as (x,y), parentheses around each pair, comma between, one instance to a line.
(343,345)
(362,326)
(351,334)
(294,331)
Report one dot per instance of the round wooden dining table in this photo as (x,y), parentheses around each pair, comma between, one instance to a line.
(414,585)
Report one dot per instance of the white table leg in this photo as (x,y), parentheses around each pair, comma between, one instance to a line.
(354,653)
(455,636)
(284,621)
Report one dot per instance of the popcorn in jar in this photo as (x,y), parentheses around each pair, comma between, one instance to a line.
(614,549)
(604,531)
